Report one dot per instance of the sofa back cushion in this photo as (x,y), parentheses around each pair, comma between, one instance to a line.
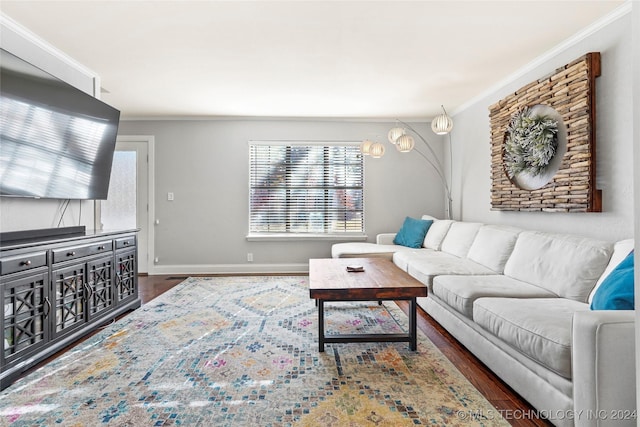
(493,245)
(620,251)
(459,238)
(435,235)
(566,265)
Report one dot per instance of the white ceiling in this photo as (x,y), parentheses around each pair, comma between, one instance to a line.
(321,59)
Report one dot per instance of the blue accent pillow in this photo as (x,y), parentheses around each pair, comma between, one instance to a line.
(616,291)
(412,232)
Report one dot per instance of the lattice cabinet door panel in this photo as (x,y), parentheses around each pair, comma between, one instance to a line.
(57,285)
(100,287)
(25,308)
(69,301)
(126,276)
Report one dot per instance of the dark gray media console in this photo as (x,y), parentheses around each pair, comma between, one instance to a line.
(57,286)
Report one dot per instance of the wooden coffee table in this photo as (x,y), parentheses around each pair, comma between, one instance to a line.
(380,281)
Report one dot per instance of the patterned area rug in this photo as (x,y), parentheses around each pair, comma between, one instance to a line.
(242,351)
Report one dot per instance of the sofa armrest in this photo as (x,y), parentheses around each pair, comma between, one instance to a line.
(603,363)
(385,238)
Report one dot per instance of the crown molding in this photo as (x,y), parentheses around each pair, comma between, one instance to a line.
(6,23)
(612,16)
(134,118)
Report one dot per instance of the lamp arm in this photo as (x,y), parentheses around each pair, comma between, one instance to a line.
(437,166)
(433,153)
(442,178)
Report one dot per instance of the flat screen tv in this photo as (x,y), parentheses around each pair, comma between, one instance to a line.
(56,141)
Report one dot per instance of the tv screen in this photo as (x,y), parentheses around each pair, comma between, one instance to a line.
(56,141)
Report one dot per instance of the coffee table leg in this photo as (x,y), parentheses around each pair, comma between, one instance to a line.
(413,324)
(320,325)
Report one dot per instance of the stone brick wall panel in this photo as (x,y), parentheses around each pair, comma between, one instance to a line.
(570,90)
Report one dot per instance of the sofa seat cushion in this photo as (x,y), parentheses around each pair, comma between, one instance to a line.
(403,260)
(364,250)
(425,264)
(540,328)
(460,292)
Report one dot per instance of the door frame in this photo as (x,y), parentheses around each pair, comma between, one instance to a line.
(150,142)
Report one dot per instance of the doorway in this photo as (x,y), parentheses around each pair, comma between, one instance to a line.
(130,201)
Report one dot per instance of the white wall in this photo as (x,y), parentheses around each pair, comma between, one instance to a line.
(614,170)
(205,163)
(22,214)
(636,157)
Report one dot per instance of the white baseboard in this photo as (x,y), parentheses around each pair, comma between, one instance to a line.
(228,269)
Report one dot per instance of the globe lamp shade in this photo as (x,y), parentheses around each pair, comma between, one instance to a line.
(377,150)
(394,134)
(442,124)
(365,147)
(405,143)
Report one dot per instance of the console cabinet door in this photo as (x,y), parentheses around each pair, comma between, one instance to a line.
(54,292)
(25,308)
(100,287)
(69,302)
(126,276)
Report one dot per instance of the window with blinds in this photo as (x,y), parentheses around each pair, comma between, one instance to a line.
(306,189)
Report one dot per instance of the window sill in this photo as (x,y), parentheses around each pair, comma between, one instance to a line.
(283,237)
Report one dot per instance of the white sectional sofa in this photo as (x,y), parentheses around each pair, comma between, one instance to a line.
(519,300)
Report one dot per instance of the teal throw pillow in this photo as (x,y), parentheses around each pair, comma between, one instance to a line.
(616,291)
(412,232)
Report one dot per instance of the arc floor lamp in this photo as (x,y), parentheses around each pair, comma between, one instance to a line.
(404,142)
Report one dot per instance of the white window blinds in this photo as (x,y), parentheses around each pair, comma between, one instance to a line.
(306,189)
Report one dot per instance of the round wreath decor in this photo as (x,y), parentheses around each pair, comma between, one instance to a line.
(530,144)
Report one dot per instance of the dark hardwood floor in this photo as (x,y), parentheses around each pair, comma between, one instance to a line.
(507,403)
